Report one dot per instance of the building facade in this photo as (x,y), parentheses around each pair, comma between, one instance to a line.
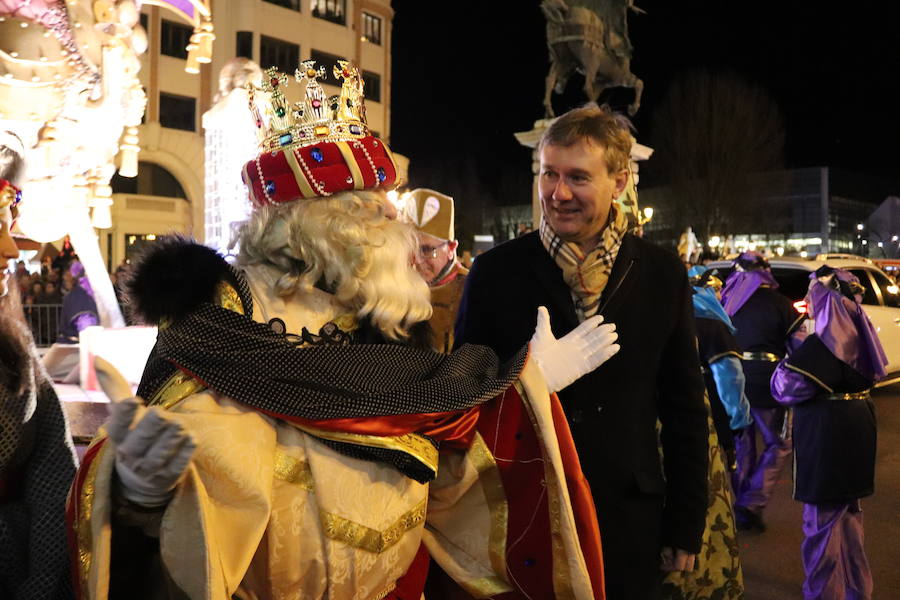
(168,194)
(806,211)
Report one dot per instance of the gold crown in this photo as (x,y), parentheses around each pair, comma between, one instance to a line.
(317,117)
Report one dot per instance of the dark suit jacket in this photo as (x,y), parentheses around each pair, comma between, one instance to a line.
(614,410)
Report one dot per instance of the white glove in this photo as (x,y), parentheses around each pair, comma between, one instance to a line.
(577,353)
(153,455)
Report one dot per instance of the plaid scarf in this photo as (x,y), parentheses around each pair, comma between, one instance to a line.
(586,275)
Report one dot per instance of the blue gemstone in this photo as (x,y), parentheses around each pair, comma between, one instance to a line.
(355,130)
(285,139)
(381,175)
(529,562)
(270,187)
(316,154)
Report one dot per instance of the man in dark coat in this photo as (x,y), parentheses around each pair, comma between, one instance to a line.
(581,263)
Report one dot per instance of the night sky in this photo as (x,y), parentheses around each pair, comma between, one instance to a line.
(466,78)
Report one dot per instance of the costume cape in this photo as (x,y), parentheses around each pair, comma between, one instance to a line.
(509,511)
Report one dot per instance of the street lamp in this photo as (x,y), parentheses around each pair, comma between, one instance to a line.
(859,226)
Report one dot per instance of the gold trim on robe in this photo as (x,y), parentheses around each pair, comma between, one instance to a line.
(293,470)
(365,538)
(499,510)
(412,444)
(83,513)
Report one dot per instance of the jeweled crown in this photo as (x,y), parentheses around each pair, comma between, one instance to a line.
(316,117)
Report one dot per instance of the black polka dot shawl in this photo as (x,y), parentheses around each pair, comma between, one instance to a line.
(248,361)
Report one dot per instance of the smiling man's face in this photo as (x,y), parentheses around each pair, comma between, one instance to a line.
(577,191)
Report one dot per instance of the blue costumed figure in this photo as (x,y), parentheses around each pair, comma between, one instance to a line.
(720,357)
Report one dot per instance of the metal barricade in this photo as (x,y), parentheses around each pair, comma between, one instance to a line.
(43,319)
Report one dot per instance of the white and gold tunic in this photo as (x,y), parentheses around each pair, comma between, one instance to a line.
(268,512)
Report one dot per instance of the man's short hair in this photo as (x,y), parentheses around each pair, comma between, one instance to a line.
(601,126)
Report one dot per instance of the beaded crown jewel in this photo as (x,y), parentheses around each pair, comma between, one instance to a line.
(10,195)
(317,116)
(317,146)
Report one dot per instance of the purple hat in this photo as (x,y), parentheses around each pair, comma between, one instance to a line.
(841,323)
(751,271)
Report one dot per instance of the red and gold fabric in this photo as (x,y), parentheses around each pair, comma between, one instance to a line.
(321,169)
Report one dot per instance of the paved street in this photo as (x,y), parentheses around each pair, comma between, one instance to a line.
(772,567)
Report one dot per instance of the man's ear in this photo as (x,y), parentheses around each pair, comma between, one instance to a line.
(452,245)
(621,181)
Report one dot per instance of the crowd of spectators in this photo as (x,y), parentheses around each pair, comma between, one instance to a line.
(45,287)
(42,294)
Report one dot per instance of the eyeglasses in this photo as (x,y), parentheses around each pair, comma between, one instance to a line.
(430,251)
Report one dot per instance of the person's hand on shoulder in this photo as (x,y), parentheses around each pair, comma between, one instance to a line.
(564,360)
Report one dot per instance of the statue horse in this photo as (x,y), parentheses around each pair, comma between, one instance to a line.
(579,39)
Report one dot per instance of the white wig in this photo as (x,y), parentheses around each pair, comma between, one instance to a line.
(347,242)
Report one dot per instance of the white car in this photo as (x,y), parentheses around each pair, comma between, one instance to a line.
(881,301)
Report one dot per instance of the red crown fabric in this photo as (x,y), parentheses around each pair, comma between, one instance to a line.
(319,169)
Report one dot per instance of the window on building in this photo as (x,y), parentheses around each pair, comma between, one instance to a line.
(244,44)
(174,38)
(291,4)
(324,59)
(177,112)
(372,87)
(136,244)
(151,180)
(330,10)
(145,21)
(273,52)
(372,28)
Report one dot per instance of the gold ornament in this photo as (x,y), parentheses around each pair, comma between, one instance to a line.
(314,119)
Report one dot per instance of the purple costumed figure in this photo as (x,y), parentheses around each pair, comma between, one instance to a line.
(765,320)
(827,382)
(79,309)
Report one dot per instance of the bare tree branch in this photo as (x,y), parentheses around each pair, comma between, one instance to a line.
(711,133)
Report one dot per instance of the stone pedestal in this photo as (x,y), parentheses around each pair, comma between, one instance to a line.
(531,139)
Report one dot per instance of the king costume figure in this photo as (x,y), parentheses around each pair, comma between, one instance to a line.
(827,381)
(296,433)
